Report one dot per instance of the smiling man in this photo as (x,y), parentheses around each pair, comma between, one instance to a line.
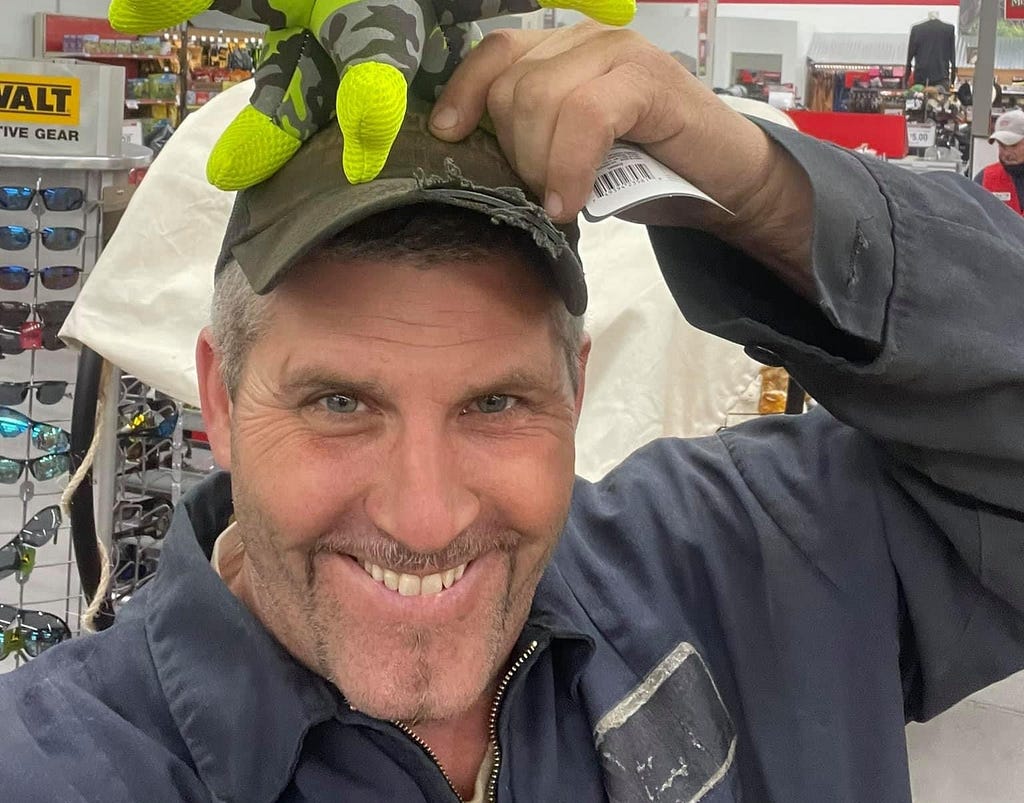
(399,591)
(425,397)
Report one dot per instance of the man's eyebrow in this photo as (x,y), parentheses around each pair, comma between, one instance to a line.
(518,380)
(313,379)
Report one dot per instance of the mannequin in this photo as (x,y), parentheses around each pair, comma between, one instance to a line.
(932,51)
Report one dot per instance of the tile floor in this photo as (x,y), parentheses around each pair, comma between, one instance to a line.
(973,753)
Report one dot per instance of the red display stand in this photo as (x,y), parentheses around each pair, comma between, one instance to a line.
(884,133)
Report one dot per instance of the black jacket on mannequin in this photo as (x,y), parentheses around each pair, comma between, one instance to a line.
(932,51)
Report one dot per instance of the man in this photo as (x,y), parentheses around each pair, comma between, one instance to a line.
(416,601)
(1005,178)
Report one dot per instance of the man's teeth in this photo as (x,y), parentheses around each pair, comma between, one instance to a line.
(411,585)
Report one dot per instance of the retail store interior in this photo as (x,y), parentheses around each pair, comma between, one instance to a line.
(101,300)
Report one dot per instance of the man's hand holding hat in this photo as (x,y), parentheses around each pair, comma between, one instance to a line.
(559,99)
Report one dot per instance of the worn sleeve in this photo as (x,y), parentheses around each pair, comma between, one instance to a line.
(916,339)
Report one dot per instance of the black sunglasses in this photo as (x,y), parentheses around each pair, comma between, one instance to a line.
(52,313)
(45,467)
(30,632)
(153,523)
(56,199)
(31,335)
(19,555)
(56,238)
(49,391)
(54,277)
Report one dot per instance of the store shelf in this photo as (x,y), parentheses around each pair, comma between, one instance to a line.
(134,103)
(132,156)
(60,54)
(158,480)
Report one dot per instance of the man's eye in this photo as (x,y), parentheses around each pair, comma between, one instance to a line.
(493,403)
(340,403)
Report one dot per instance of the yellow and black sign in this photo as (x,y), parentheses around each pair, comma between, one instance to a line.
(42,99)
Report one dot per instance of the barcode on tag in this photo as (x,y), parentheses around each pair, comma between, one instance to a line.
(629,177)
(626,175)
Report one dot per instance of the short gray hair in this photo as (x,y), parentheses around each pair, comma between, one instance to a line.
(427,234)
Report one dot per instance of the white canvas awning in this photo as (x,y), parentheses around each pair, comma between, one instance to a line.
(858,49)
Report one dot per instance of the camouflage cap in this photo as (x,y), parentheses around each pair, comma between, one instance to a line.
(275,224)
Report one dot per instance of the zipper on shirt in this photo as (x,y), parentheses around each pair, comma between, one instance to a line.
(430,754)
(492,730)
(492,782)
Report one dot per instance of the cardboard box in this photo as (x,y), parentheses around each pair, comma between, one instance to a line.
(60,108)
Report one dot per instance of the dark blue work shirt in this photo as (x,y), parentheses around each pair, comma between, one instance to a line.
(751,616)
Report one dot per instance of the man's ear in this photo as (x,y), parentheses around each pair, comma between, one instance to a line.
(214,399)
(584,355)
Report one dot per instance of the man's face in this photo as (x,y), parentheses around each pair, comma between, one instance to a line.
(400,426)
(1010,155)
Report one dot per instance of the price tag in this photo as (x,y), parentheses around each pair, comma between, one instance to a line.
(131,104)
(628,177)
(920,135)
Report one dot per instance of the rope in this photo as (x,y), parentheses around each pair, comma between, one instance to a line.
(99,433)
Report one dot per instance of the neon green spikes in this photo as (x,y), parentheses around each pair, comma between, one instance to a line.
(610,12)
(251,149)
(371,106)
(146,16)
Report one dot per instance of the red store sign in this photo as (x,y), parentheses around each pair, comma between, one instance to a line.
(1015,9)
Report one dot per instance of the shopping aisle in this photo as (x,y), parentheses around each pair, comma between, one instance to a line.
(973,753)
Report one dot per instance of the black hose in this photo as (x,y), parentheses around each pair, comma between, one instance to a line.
(83,521)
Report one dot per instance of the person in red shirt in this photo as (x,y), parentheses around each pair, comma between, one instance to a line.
(1005,178)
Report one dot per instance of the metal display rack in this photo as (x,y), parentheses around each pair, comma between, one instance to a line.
(52,583)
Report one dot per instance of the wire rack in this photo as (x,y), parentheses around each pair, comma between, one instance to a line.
(32,353)
(52,584)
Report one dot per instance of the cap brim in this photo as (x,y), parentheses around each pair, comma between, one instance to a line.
(267,255)
(1006,137)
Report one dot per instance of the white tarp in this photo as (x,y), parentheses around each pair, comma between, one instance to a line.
(651,374)
(867,49)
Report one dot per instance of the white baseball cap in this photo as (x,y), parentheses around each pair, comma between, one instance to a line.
(1009,128)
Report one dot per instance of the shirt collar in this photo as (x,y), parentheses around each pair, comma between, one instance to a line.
(213,657)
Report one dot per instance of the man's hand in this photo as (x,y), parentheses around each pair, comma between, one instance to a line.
(559,99)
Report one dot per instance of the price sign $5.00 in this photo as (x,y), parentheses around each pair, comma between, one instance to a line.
(920,135)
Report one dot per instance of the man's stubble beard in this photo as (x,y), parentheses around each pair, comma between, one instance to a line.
(417,684)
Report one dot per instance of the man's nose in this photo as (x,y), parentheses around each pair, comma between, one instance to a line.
(420,497)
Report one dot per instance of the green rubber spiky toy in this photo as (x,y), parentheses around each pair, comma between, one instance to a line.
(353,61)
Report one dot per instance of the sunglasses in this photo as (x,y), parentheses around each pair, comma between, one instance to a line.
(19,555)
(44,467)
(56,199)
(47,392)
(55,277)
(30,633)
(154,419)
(153,523)
(31,335)
(52,313)
(47,437)
(56,238)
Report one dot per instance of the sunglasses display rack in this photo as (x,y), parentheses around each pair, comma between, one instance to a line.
(51,234)
(160,454)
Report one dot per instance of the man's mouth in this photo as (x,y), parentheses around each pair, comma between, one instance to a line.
(413,585)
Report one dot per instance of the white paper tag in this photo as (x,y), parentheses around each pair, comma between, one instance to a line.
(628,177)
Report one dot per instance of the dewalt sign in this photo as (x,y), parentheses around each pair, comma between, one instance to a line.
(40,99)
